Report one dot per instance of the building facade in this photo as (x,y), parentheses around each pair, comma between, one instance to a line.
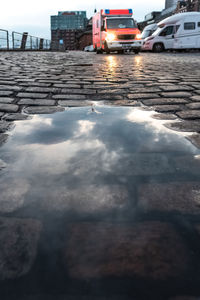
(170,3)
(66,27)
(188,5)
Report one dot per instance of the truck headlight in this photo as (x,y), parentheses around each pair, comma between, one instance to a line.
(110,37)
(138,36)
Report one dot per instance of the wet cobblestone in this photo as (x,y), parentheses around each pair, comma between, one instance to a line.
(158,244)
(161,81)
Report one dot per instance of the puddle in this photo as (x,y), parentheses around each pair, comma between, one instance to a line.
(114,196)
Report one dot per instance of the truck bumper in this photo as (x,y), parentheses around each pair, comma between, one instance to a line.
(118,45)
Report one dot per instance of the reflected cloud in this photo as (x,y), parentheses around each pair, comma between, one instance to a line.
(86,162)
(85,127)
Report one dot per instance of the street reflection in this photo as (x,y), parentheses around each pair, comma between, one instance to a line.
(117,195)
(111,64)
(86,150)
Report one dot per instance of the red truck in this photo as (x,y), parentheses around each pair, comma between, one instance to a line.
(115,30)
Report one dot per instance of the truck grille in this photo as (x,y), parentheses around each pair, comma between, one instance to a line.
(126,36)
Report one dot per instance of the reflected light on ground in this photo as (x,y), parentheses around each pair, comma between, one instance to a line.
(112,64)
(138,61)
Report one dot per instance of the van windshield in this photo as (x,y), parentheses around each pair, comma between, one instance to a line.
(146,33)
(121,23)
(158,30)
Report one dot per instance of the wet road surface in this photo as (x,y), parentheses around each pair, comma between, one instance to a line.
(99,202)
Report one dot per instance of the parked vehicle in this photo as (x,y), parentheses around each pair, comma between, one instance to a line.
(148,31)
(180,31)
(115,30)
(89,48)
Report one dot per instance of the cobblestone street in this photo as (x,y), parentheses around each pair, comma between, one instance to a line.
(34,83)
(99,176)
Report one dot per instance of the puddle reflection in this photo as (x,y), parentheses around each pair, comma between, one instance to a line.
(117,194)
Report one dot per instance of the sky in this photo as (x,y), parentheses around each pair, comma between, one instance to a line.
(34,16)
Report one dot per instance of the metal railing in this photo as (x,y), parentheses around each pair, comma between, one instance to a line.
(4,39)
(22,41)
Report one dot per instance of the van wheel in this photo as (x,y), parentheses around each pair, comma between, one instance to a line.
(99,52)
(159,47)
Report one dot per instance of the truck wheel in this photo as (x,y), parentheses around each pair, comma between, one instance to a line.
(158,47)
(99,51)
(136,51)
(120,51)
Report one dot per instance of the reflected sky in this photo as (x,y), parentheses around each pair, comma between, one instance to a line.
(87,162)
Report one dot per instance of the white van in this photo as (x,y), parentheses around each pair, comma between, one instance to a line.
(148,30)
(180,31)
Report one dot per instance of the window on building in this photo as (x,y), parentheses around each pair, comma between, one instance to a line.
(189,26)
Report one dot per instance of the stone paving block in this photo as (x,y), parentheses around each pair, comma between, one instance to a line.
(4,126)
(183,197)
(5,93)
(164,116)
(197,91)
(15,117)
(167,108)
(74,103)
(43,109)
(3,139)
(39,84)
(189,114)
(69,97)
(142,96)
(32,95)
(19,241)
(195,105)
(177,88)
(78,91)
(111,97)
(42,102)
(7,82)
(10,88)
(112,91)
(195,140)
(42,89)
(97,250)
(185,126)
(6,100)
(176,95)
(8,107)
(145,90)
(195,98)
(164,101)
(123,102)
(67,85)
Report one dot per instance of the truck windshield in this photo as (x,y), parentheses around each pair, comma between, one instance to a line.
(120,23)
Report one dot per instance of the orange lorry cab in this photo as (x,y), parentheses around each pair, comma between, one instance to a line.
(115,30)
